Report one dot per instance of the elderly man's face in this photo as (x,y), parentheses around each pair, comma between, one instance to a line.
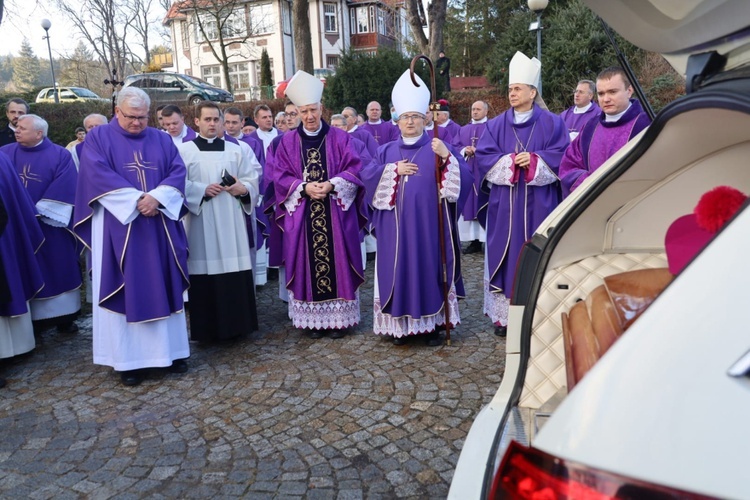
(441,117)
(310,114)
(92,122)
(583,95)
(338,123)
(478,110)
(351,118)
(26,135)
(14,112)
(521,96)
(133,119)
(411,124)
(373,111)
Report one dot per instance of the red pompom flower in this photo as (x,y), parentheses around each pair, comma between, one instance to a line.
(717,206)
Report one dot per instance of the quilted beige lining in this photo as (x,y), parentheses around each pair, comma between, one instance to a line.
(545,374)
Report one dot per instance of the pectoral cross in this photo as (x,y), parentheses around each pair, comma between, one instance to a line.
(26,175)
(139,166)
(377,137)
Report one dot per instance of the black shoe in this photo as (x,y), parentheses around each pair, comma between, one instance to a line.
(272,274)
(370,256)
(178,366)
(68,328)
(132,377)
(474,247)
(399,340)
(434,339)
(501,331)
(315,334)
(337,334)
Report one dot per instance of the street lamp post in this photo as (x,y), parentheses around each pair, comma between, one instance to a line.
(538,6)
(47,24)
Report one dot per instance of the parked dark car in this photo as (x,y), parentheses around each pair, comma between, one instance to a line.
(176,88)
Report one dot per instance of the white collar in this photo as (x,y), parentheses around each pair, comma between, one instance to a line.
(353,129)
(314,134)
(614,118)
(430,126)
(375,123)
(523,116)
(410,140)
(474,122)
(580,111)
(447,122)
(210,141)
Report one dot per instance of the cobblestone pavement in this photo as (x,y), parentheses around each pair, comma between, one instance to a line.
(274,415)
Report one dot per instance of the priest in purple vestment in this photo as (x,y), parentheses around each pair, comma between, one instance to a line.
(317,186)
(382,132)
(469,228)
(443,119)
(356,131)
(583,110)
(402,190)
(20,274)
(130,198)
(49,175)
(518,157)
(621,119)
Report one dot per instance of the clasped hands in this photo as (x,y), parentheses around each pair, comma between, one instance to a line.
(523,160)
(148,205)
(318,190)
(236,189)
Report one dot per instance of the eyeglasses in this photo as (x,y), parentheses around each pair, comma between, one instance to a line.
(292,114)
(134,118)
(410,118)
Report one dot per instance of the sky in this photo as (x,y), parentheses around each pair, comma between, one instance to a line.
(24,18)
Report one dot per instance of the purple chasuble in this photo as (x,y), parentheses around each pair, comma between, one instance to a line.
(597,142)
(261,226)
(409,269)
(575,121)
(48,173)
(19,243)
(274,214)
(453,129)
(382,132)
(291,170)
(469,136)
(367,139)
(144,262)
(511,214)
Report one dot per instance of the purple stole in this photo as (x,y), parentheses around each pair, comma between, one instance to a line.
(19,242)
(48,172)
(408,263)
(511,214)
(576,121)
(469,136)
(149,250)
(289,172)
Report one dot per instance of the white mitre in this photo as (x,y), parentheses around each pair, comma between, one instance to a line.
(406,97)
(526,71)
(304,89)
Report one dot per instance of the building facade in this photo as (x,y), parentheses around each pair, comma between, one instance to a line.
(203,31)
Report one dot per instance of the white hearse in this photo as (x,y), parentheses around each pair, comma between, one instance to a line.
(664,412)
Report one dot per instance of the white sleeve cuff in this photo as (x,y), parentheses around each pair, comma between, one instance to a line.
(170,199)
(451,189)
(502,173)
(344,192)
(383,199)
(294,199)
(543,175)
(54,213)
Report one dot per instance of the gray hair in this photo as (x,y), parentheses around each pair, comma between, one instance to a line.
(592,85)
(134,97)
(101,119)
(338,116)
(37,123)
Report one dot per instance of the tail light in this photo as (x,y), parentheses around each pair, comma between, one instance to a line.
(531,474)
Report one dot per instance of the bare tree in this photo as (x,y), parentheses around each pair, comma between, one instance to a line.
(302,37)
(105,26)
(141,12)
(221,24)
(436,11)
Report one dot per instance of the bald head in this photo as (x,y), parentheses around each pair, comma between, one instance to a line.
(374,111)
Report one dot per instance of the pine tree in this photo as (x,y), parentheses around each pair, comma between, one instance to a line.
(266,79)
(26,68)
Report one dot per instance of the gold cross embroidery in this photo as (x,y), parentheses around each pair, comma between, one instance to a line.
(27,175)
(138,166)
